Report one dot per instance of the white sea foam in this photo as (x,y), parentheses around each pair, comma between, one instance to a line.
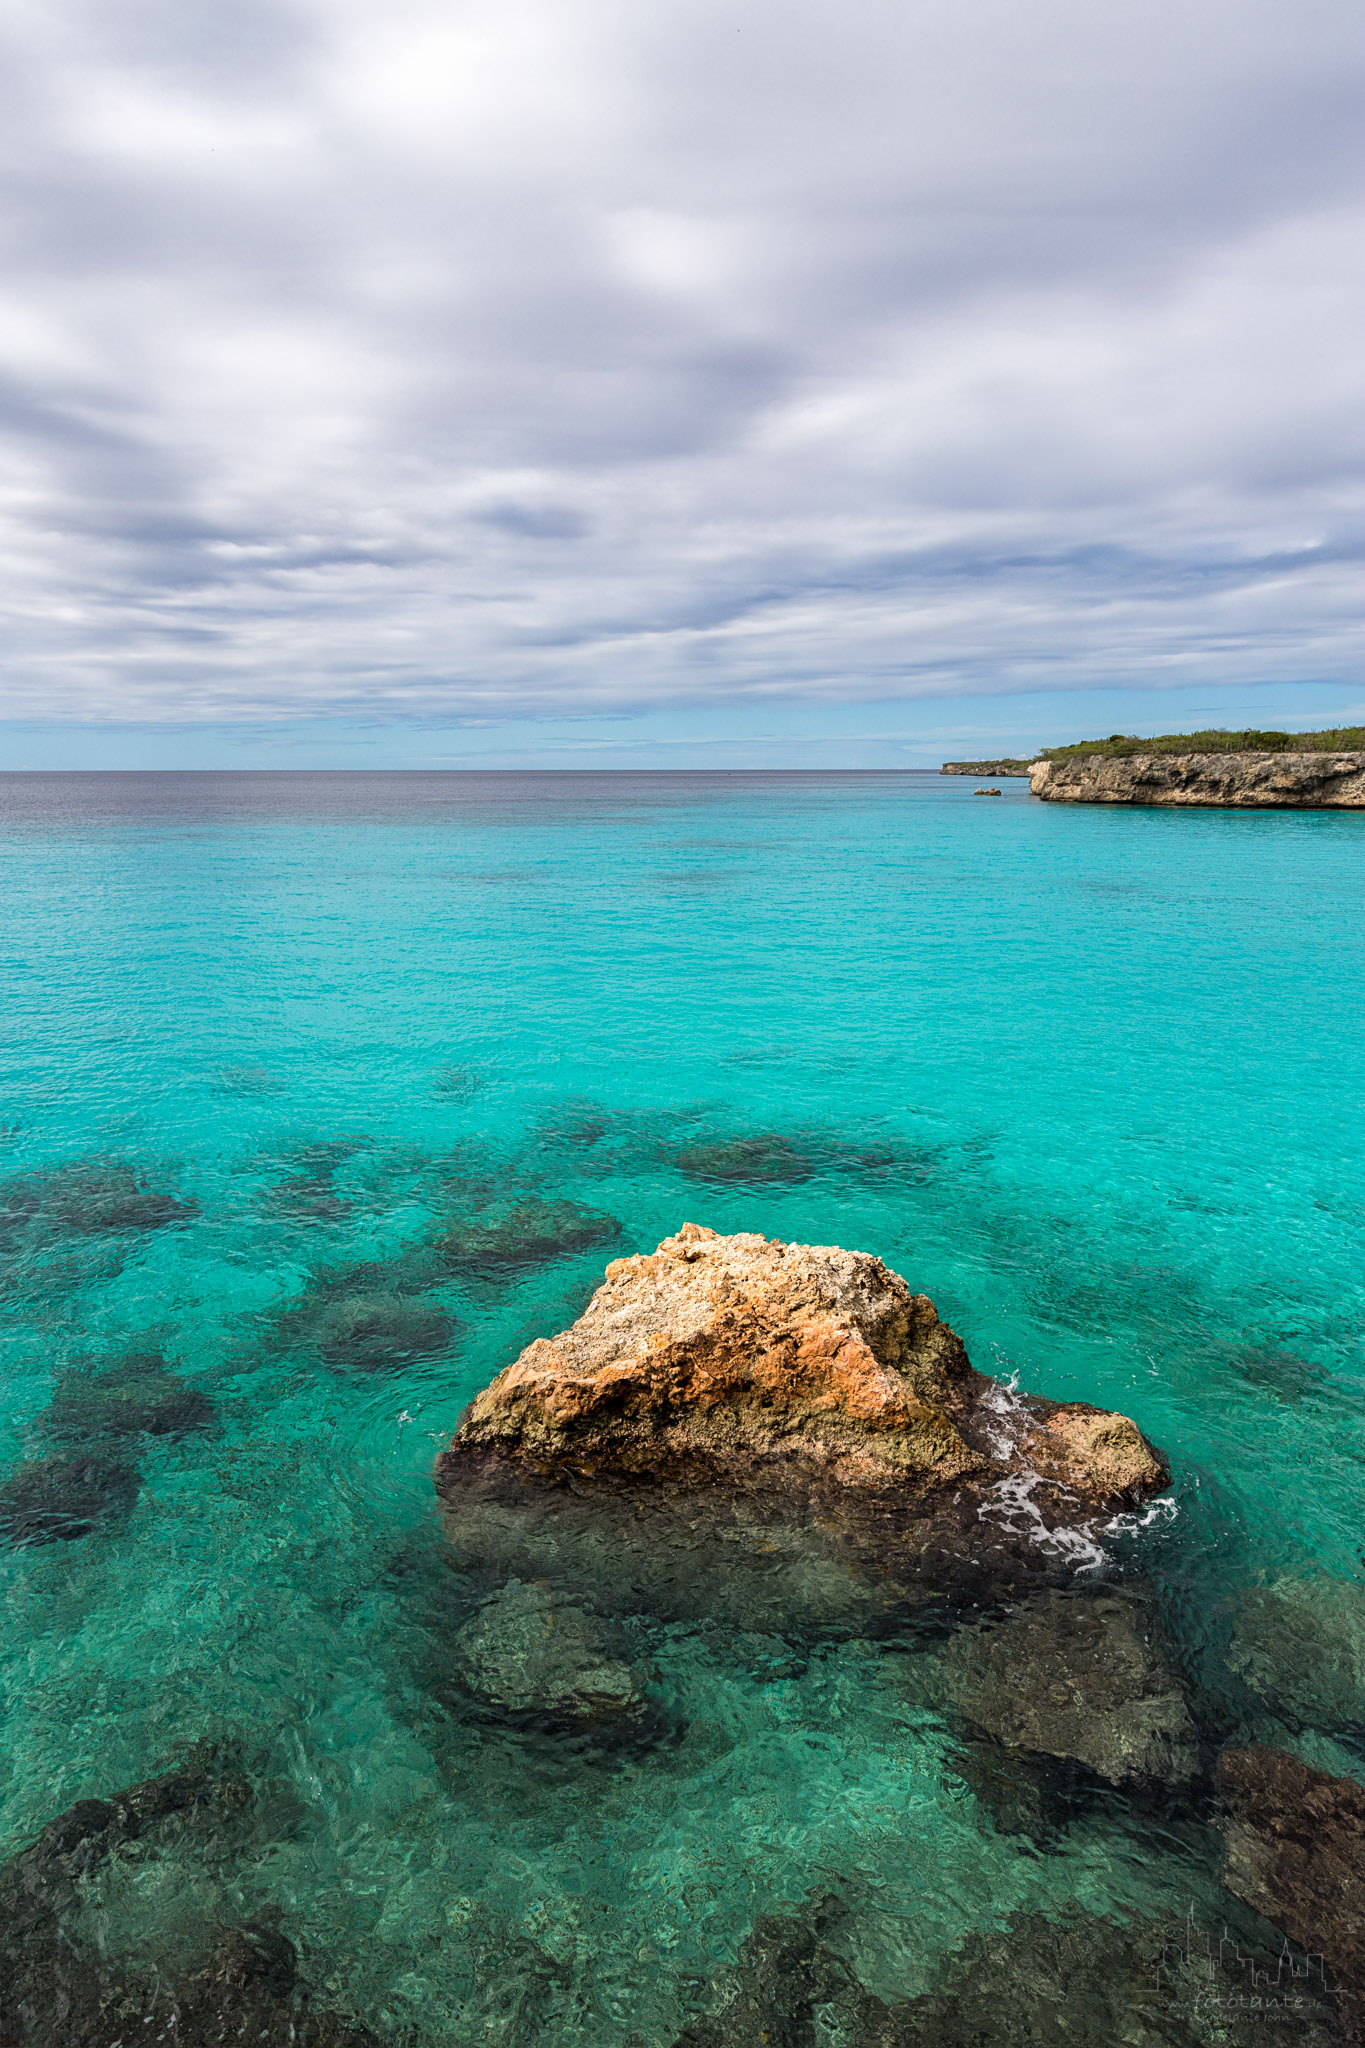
(1011,1505)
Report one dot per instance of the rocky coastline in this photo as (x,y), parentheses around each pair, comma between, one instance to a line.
(1247,781)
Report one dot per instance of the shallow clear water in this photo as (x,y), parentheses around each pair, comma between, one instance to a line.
(1090,1078)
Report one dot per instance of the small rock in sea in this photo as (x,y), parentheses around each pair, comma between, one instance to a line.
(1077,1676)
(753,1162)
(1296,1854)
(529,1652)
(1299,1644)
(137,1395)
(526,1233)
(55,1500)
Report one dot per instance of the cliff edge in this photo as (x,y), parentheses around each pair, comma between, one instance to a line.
(1260,781)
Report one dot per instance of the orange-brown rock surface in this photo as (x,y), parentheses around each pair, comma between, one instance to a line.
(742,1356)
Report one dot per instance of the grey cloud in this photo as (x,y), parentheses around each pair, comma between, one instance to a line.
(442,360)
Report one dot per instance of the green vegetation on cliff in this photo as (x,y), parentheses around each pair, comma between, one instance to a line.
(1342,739)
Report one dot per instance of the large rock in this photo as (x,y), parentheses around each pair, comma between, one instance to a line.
(1296,1853)
(774,1437)
(1077,1676)
(1243,781)
(733,1354)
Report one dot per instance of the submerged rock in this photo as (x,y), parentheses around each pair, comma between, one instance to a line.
(365,1319)
(790,1989)
(309,1193)
(752,1161)
(1300,1646)
(526,1233)
(41,1878)
(1296,1854)
(62,1989)
(1078,1981)
(455,1084)
(1077,1676)
(55,1500)
(89,1197)
(528,1652)
(379,1332)
(139,1395)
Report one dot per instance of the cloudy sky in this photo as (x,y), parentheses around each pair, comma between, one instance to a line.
(602,381)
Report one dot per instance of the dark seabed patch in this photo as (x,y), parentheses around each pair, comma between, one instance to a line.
(751,1162)
(63,1986)
(529,1232)
(129,1396)
(61,1498)
(88,1197)
(367,1328)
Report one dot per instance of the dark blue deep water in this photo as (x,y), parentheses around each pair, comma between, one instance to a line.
(1090,1078)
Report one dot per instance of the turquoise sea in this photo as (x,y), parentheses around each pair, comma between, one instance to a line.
(1090,1078)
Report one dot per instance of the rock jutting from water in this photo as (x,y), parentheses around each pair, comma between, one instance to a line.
(806,1383)
(1252,781)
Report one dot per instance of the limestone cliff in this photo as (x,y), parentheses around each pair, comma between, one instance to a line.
(1246,781)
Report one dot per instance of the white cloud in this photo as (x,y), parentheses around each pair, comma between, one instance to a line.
(473,359)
